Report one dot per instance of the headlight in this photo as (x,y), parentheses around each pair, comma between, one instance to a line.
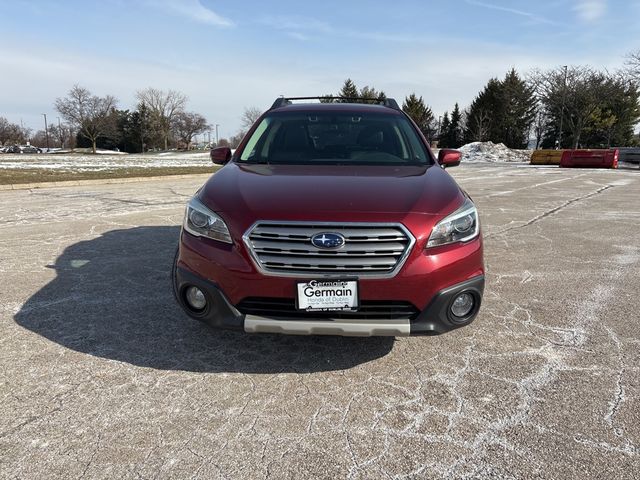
(460,226)
(202,222)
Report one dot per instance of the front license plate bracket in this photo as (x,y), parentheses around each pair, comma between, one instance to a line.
(327,295)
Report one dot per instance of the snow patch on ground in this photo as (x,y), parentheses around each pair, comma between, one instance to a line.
(109,152)
(492,152)
(90,163)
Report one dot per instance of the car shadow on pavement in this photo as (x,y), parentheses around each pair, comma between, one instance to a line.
(112,298)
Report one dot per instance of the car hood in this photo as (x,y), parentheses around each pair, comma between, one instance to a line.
(294,191)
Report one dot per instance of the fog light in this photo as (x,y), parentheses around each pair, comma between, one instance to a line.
(196,298)
(462,305)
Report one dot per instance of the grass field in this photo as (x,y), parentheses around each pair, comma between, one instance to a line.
(36,175)
(18,169)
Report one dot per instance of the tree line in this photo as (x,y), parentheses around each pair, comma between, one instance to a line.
(566,107)
(159,121)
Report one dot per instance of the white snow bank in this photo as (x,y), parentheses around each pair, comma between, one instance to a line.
(84,163)
(492,152)
(101,151)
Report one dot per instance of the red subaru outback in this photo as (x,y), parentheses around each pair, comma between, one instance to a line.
(331,218)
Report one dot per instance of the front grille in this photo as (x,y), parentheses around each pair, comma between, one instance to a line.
(368,310)
(369,249)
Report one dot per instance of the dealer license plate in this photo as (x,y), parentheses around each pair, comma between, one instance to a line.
(328,295)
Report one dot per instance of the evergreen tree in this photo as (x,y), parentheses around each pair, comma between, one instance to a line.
(503,112)
(452,134)
(612,123)
(519,111)
(444,128)
(327,98)
(484,113)
(371,93)
(349,89)
(420,113)
(129,131)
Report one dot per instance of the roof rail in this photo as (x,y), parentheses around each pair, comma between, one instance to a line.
(387,102)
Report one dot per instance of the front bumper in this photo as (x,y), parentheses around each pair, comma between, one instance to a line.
(433,320)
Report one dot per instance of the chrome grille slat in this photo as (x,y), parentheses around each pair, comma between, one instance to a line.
(306,232)
(330,255)
(306,248)
(285,248)
(332,262)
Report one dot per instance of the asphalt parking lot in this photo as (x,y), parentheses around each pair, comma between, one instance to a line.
(103,376)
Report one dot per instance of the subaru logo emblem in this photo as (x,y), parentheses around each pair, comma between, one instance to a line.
(327,240)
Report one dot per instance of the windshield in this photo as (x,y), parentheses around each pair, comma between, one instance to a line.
(335,138)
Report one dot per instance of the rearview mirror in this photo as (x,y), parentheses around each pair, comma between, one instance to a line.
(448,157)
(220,155)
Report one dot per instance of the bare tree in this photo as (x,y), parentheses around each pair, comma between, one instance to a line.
(59,133)
(249,117)
(5,130)
(540,124)
(633,65)
(163,107)
(187,124)
(90,114)
(12,132)
(575,99)
(478,124)
(39,139)
(236,139)
(21,134)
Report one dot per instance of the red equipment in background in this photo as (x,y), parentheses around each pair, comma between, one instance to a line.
(590,158)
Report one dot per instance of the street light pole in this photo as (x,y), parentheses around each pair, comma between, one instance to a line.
(46,130)
(564,95)
(61,134)
(217,139)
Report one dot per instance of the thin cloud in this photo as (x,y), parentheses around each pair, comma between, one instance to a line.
(384,37)
(298,36)
(590,10)
(292,23)
(192,10)
(300,27)
(531,16)
(297,27)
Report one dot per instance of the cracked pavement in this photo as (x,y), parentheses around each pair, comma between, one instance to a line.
(103,376)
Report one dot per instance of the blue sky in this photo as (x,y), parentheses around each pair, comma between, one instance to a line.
(227,55)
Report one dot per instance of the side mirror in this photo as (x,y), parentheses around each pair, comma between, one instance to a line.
(220,155)
(449,158)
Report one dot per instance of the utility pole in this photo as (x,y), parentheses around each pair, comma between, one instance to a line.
(217,139)
(564,95)
(46,130)
(61,134)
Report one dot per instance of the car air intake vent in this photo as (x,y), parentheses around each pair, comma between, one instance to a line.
(315,249)
(369,310)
